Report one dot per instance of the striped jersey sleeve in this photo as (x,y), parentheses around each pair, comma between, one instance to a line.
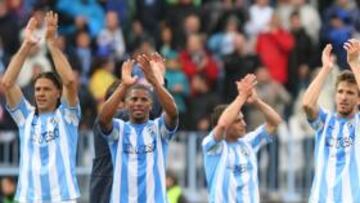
(210,146)
(165,132)
(113,134)
(258,138)
(72,114)
(213,152)
(319,121)
(20,112)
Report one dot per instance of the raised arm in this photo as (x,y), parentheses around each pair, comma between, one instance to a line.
(166,100)
(353,57)
(110,106)
(272,118)
(312,93)
(232,111)
(12,91)
(62,65)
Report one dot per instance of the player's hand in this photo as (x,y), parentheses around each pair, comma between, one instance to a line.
(326,58)
(245,86)
(51,20)
(352,48)
(157,63)
(30,38)
(126,70)
(253,97)
(145,66)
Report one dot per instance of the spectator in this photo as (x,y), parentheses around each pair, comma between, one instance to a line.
(123,9)
(340,8)
(203,100)
(101,77)
(355,16)
(136,35)
(216,14)
(2,57)
(110,39)
(283,9)
(222,43)
(83,52)
(174,191)
(196,60)
(310,19)
(301,55)
(10,37)
(84,12)
(167,41)
(87,104)
(279,43)
(337,34)
(6,122)
(236,65)
(8,188)
(259,17)
(272,92)
(178,86)
(175,14)
(150,14)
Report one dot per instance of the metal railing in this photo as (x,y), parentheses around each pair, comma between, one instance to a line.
(287,183)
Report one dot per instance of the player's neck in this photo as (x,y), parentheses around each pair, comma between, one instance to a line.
(45,111)
(231,139)
(346,116)
(138,121)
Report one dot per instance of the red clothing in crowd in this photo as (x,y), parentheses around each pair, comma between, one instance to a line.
(190,68)
(273,49)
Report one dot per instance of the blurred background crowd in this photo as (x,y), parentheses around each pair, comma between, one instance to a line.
(208,45)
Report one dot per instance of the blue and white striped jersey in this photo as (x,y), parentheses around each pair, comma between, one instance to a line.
(48,144)
(139,153)
(231,168)
(337,159)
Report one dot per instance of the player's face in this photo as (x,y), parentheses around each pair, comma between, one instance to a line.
(138,102)
(46,95)
(238,128)
(346,98)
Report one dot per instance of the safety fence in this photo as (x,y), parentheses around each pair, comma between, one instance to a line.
(285,165)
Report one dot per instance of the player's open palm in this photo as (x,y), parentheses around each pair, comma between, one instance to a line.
(126,69)
(51,20)
(352,48)
(326,58)
(145,66)
(30,38)
(157,63)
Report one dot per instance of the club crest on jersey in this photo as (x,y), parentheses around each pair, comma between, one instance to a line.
(244,151)
(239,169)
(71,117)
(151,130)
